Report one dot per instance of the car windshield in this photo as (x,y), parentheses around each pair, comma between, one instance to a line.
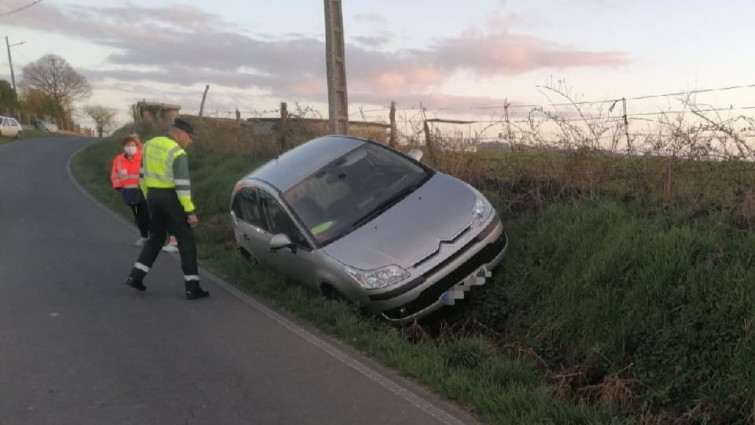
(352,190)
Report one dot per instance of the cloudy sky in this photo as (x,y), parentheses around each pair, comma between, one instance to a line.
(455,57)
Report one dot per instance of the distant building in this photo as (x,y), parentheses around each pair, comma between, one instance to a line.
(155,112)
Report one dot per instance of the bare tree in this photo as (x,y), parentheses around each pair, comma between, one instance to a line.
(52,75)
(103,117)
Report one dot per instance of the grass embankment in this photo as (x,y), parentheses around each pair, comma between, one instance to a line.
(469,371)
(651,311)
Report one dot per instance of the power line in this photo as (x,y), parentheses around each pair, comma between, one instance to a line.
(20,8)
(693,92)
(639,114)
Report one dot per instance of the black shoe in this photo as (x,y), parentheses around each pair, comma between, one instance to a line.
(196,294)
(136,284)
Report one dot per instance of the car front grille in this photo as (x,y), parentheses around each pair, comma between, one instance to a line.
(447,242)
(430,295)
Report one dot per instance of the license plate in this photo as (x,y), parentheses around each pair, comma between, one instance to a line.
(477,278)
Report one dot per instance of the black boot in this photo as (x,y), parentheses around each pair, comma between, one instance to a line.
(195,292)
(136,284)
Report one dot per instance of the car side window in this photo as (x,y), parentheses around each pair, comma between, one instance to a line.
(278,221)
(246,207)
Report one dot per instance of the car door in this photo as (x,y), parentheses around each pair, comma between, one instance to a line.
(248,223)
(4,129)
(16,126)
(299,262)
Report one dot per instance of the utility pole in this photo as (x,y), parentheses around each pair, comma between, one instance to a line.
(338,106)
(10,62)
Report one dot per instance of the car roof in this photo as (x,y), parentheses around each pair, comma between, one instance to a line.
(302,161)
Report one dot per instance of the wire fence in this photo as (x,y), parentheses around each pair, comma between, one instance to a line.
(696,155)
(501,122)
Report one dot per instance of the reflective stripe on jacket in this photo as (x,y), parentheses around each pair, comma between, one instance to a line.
(125,172)
(165,166)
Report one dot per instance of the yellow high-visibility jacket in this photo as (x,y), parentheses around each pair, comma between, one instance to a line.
(165,165)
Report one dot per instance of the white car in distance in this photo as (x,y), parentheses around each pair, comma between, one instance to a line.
(9,127)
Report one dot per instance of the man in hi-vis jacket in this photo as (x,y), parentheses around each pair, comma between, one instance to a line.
(164,180)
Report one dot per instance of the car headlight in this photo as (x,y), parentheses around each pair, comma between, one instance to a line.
(480,211)
(377,278)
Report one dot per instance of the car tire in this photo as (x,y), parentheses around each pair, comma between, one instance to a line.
(331,293)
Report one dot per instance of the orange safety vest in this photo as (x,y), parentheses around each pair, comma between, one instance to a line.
(125,171)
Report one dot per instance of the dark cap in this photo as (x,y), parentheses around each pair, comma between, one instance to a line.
(184,126)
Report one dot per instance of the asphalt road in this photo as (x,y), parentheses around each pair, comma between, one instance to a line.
(79,347)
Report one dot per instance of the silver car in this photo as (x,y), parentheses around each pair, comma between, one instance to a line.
(357,220)
(47,126)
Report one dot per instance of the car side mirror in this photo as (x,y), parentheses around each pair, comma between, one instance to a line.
(415,154)
(281,241)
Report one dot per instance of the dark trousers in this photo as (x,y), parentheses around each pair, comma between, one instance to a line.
(167,216)
(141,216)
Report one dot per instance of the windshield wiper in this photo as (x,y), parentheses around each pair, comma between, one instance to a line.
(384,206)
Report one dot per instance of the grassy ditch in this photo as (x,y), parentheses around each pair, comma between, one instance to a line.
(470,371)
(647,310)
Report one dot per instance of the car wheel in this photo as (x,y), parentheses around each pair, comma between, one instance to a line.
(331,293)
(334,294)
(19,135)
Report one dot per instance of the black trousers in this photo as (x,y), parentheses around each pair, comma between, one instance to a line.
(167,216)
(141,216)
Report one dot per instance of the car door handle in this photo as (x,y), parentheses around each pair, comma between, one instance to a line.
(246,238)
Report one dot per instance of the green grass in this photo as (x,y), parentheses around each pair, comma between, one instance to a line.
(654,299)
(469,371)
(39,133)
(4,140)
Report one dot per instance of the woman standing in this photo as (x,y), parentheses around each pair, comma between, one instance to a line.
(125,179)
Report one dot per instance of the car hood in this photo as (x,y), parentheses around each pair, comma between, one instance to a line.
(412,229)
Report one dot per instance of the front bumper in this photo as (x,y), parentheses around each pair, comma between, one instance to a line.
(449,275)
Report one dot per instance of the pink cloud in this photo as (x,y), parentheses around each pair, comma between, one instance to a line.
(192,46)
(504,54)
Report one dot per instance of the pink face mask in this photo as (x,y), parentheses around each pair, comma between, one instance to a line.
(130,150)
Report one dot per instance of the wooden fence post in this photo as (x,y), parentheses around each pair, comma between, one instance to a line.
(392,117)
(283,127)
(429,144)
(204,96)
